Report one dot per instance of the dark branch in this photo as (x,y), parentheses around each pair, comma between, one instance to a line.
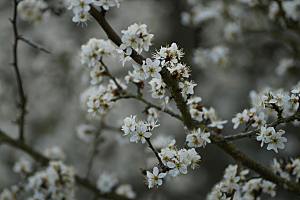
(22,97)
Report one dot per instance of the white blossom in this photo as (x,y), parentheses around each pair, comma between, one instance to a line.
(277,141)
(152,68)
(187,88)
(86,132)
(271,137)
(155,178)
(126,191)
(94,50)
(210,114)
(157,88)
(106,182)
(179,70)
(100,100)
(152,114)
(169,55)
(129,125)
(54,153)
(240,118)
(106,4)
(32,10)
(56,182)
(178,160)
(81,8)
(198,138)
(7,195)
(296,168)
(136,37)
(141,133)
(276,168)
(138,131)
(232,31)
(235,185)
(284,65)
(23,167)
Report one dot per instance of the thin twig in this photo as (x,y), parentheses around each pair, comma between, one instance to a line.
(22,97)
(93,154)
(111,76)
(149,104)
(154,151)
(33,44)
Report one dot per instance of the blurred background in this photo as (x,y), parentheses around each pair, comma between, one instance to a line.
(54,83)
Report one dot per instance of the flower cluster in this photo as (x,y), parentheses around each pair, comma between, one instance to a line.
(205,115)
(95,50)
(175,162)
(158,88)
(280,101)
(236,185)
(136,37)
(7,194)
(139,131)
(92,54)
(152,114)
(287,169)
(54,153)
(101,99)
(56,182)
(198,138)
(269,103)
(273,138)
(155,178)
(81,8)
(32,10)
(23,167)
(249,117)
(169,58)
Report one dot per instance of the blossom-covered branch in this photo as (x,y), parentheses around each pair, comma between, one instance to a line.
(164,84)
(186,117)
(253,132)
